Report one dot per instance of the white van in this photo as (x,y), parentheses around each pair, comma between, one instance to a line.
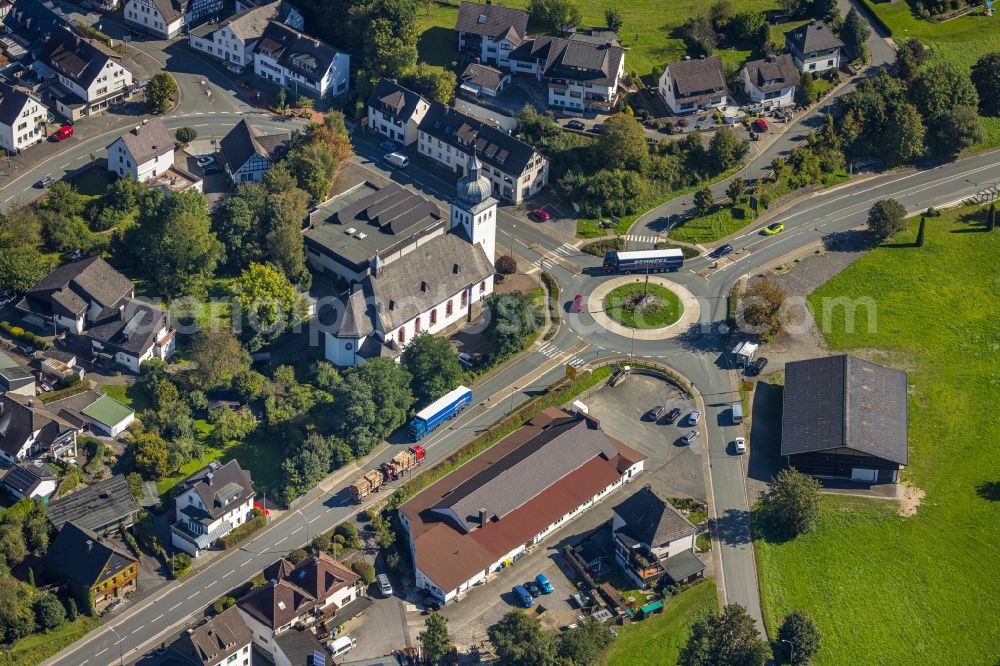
(341,646)
(383,585)
(737,410)
(398,160)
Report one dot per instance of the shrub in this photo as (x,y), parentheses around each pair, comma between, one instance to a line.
(222,603)
(506,265)
(186,134)
(365,571)
(181,565)
(243,531)
(16,332)
(350,534)
(297,555)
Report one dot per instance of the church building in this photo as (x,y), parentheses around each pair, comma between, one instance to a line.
(411,271)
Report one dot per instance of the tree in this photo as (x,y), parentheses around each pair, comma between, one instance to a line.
(151,455)
(613,19)
(720,13)
(159,92)
(506,265)
(249,385)
(902,135)
(920,233)
(232,425)
(910,58)
(747,25)
(12,546)
(433,365)
(186,134)
(703,200)
(390,388)
(71,610)
(511,321)
(281,100)
(350,534)
(519,641)
(268,302)
(941,86)
(49,612)
(623,142)
(728,638)
(134,482)
(297,555)
(801,635)
(986,79)
(725,150)
(356,424)
(886,218)
(699,33)
(435,640)
(763,306)
(586,644)
(826,10)
(854,34)
(954,130)
(218,358)
(22,266)
(559,14)
(365,571)
(436,84)
(234,220)
(736,190)
(805,92)
(791,505)
(991,218)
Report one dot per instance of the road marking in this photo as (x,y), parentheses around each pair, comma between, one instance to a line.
(158,617)
(231,572)
(173,607)
(211,584)
(101,652)
(193,595)
(246,563)
(283,539)
(315,519)
(297,529)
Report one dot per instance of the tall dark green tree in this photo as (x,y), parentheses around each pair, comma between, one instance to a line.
(726,150)
(703,200)
(160,91)
(520,641)
(920,233)
(886,218)
(728,638)
(435,640)
(434,367)
(799,634)
(613,19)
(986,79)
(791,505)
(854,34)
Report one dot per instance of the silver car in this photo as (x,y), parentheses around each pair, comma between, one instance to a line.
(694,417)
(690,437)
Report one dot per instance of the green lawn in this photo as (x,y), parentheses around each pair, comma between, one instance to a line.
(721,221)
(665,310)
(962,40)
(38,647)
(131,395)
(650,31)
(920,589)
(659,639)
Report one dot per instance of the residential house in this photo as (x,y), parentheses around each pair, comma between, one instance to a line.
(101,414)
(30,480)
(514,169)
(144,152)
(211,503)
(104,507)
(479,80)
(296,596)
(487,33)
(30,431)
(76,294)
(15,378)
(162,18)
(232,40)
(22,119)
(582,76)
(688,86)
(131,335)
(412,276)
(480,518)
(648,533)
(97,571)
(396,112)
(301,63)
(297,648)
(845,418)
(33,22)
(814,47)
(88,76)
(223,640)
(57,365)
(770,82)
(248,153)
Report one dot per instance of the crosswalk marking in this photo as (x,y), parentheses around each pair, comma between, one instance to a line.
(550,350)
(641,239)
(576,362)
(566,249)
(545,263)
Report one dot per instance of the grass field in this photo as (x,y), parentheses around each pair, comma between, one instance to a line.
(666,308)
(650,31)
(920,589)
(659,639)
(962,40)
(38,647)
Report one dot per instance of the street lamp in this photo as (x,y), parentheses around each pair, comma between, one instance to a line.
(510,408)
(513,227)
(121,649)
(791,650)
(306,522)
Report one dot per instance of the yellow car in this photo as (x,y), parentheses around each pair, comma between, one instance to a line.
(773,229)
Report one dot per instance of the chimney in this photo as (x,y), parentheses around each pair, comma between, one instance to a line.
(138,129)
(208,478)
(31,403)
(482,517)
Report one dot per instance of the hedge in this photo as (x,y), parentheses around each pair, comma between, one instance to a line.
(52,396)
(24,336)
(238,535)
(602,247)
(553,287)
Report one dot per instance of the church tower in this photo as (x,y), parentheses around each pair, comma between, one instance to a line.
(474,209)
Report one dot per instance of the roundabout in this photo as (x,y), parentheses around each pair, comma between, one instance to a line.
(624,306)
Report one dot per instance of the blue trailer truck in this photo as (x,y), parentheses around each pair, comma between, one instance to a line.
(439,411)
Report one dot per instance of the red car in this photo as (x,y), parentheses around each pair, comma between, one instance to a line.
(539,215)
(759,125)
(64,132)
(577,304)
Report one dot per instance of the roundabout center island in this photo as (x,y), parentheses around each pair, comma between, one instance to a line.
(631,307)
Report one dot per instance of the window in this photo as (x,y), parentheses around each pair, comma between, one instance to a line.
(401,336)
(416,326)
(449,308)
(465,297)
(482,286)
(434,316)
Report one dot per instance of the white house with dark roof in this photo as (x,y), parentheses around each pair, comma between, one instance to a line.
(247,153)
(770,82)
(33,22)
(232,40)
(132,335)
(22,119)
(514,169)
(31,480)
(688,86)
(483,80)
(396,112)
(30,431)
(814,47)
(211,503)
(413,275)
(223,640)
(89,76)
(163,18)
(14,377)
(489,32)
(144,152)
(301,63)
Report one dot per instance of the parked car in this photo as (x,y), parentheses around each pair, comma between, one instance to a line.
(576,125)
(673,414)
(655,413)
(384,586)
(212,167)
(577,304)
(523,596)
(532,588)
(759,125)
(740,445)
(690,437)
(772,229)
(757,366)
(466,360)
(722,250)
(539,215)
(398,160)
(694,417)
(596,129)
(45,182)
(64,132)
(205,160)
(544,583)
(388,146)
